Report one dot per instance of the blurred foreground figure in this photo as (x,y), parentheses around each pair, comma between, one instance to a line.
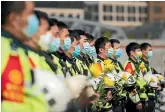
(64,95)
(21,83)
(18,23)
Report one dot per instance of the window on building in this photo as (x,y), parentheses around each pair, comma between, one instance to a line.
(110,8)
(131,19)
(107,8)
(145,10)
(52,14)
(105,18)
(104,8)
(131,9)
(89,8)
(142,9)
(88,16)
(110,18)
(61,15)
(140,19)
(120,8)
(70,16)
(95,8)
(78,16)
(120,18)
(157,9)
(95,17)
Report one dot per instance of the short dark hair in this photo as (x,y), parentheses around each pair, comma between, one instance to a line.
(11,6)
(61,25)
(144,46)
(112,41)
(52,21)
(41,15)
(80,32)
(89,37)
(100,43)
(74,35)
(132,47)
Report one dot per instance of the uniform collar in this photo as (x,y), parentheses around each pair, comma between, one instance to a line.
(113,60)
(146,62)
(100,58)
(8,35)
(134,62)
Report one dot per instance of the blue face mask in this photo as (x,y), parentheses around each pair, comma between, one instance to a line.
(76,51)
(118,53)
(110,52)
(149,54)
(67,44)
(92,51)
(54,45)
(86,48)
(32,27)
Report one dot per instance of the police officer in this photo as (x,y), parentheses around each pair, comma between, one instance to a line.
(117,54)
(103,50)
(146,68)
(132,66)
(70,52)
(82,58)
(92,53)
(119,100)
(17,92)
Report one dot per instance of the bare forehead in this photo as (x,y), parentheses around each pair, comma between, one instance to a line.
(107,44)
(29,7)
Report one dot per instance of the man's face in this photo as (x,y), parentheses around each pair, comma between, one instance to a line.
(149,48)
(19,21)
(116,46)
(55,31)
(44,25)
(136,52)
(74,43)
(92,43)
(82,40)
(63,33)
(104,51)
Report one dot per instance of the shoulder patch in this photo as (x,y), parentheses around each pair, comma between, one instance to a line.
(128,68)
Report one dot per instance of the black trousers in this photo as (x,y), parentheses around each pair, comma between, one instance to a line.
(131,107)
(118,108)
(151,106)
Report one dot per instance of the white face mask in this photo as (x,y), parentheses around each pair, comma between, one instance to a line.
(45,40)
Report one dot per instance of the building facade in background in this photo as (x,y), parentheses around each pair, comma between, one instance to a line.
(121,13)
(156,11)
(118,13)
(70,9)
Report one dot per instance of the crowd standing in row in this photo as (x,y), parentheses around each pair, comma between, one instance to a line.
(48,67)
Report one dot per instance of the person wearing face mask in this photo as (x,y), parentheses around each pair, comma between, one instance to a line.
(18,23)
(38,44)
(147,54)
(117,53)
(71,49)
(103,50)
(82,57)
(53,27)
(92,53)
(134,53)
(118,103)
(63,33)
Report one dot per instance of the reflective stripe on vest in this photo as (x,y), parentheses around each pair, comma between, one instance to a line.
(14,72)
